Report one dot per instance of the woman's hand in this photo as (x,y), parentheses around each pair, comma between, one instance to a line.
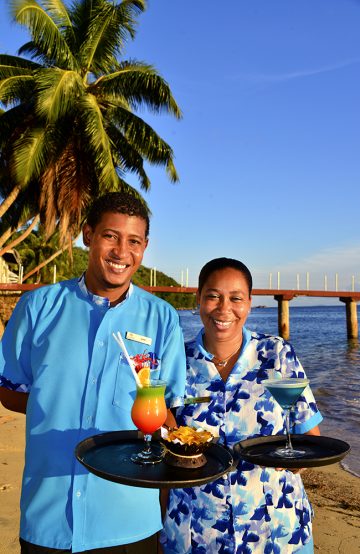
(170,420)
(314,431)
(295,471)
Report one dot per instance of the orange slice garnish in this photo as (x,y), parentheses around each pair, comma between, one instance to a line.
(144,376)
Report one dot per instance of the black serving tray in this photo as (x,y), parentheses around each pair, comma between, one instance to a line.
(107,455)
(319,451)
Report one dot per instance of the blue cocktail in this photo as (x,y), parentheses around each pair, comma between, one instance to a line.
(286,392)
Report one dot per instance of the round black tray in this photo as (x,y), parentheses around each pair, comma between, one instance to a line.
(107,455)
(319,451)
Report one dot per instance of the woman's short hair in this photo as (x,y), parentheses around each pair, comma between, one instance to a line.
(223,263)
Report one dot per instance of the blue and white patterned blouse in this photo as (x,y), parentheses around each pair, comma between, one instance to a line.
(252,509)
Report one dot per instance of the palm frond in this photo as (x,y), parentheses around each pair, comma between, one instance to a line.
(127,158)
(32,50)
(57,92)
(140,84)
(130,11)
(14,65)
(46,35)
(29,155)
(13,122)
(109,28)
(99,143)
(101,37)
(15,89)
(58,12)
(145,140)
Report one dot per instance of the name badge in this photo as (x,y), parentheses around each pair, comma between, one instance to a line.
(138,338)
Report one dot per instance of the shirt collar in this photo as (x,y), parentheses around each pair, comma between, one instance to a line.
(101,301)
(200,342)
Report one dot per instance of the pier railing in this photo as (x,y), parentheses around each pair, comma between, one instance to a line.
(283,297)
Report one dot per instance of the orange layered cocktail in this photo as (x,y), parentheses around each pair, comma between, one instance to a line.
(148,413)
(149,409)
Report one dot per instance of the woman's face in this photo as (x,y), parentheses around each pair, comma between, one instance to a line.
(224,305)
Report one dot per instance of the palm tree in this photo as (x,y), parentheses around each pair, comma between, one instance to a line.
(71,130)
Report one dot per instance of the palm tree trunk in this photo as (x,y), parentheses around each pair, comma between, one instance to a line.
(5,205)
(5,236)
(21,237)
(45,262)
(10,231)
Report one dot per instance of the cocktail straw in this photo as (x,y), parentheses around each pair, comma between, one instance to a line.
(121,343)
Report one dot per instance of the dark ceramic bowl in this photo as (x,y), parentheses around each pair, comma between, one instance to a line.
(186,449)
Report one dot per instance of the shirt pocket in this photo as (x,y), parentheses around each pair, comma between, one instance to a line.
(124,387)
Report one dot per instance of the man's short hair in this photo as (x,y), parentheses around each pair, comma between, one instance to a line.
(121,203)
(223,263)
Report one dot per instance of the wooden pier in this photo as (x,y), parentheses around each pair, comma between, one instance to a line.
(283,297)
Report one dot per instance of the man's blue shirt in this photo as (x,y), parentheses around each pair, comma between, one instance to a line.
(59,343)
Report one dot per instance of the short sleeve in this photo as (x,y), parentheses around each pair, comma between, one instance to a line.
(305,415)
(15,348)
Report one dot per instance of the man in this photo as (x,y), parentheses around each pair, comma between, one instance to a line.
(58,356)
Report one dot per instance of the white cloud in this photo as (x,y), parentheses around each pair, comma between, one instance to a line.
(260,78)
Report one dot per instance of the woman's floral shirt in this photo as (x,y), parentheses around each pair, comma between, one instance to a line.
(252,509)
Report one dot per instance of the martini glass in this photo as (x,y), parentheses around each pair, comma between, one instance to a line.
(286,392)
(148,413)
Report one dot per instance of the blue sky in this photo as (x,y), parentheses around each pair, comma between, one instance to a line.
(268,150)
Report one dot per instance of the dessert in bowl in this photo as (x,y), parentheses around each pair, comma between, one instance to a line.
(185,446)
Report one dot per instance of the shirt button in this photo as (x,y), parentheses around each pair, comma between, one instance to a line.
(100,343)
(78,494)
(89,419)
(94,381)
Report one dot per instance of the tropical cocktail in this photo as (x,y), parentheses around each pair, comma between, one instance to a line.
(148,413)
(286,392)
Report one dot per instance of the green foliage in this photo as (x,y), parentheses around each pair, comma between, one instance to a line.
(70,131)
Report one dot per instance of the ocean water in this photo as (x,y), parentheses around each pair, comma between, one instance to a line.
(331,362)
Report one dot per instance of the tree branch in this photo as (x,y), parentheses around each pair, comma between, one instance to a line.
(21,237)
(43,264)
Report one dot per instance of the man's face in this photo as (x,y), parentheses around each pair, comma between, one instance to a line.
(116,248)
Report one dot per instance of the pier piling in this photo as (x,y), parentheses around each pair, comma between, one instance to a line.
(351,317)
(283,314)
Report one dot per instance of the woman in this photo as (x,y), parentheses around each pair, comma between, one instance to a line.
(253,509)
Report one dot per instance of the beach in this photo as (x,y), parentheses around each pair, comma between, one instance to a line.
(334,493)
